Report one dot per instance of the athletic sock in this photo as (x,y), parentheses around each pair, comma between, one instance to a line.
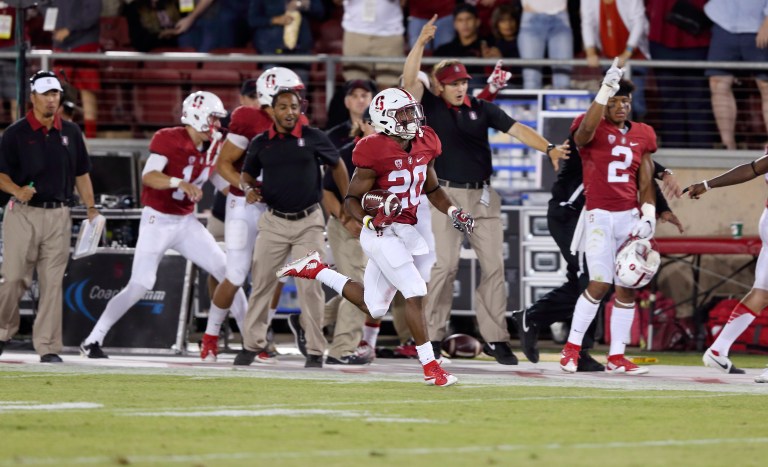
(371,333)
(333,279)
(583,315)
(216,317)
(621,325)
(116,308)
(740,319)
(426,353)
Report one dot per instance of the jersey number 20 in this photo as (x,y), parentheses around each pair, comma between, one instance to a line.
(411,184)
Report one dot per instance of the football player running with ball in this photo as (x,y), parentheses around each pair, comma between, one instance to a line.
(617,166)
(181,160)
(400,159)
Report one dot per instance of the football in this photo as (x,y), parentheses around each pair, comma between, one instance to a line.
(462,346)
(376,200)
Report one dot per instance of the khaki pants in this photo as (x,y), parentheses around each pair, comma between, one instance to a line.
(487,241)
(350,261)
(386,74)
(35,238)
(278,240)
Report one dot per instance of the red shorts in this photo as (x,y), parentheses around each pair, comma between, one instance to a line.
(82,74)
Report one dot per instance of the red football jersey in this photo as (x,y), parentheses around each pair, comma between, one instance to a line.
(246,123)
(184,162)
(398,171)
(610,163)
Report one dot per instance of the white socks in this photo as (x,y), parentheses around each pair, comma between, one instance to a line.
(741,318)
(621,325)
(426,353)
(216,317)
(583,315)
(332,279)
(371,333)
(116,308)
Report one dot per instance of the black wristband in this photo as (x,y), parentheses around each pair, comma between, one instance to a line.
(429,192)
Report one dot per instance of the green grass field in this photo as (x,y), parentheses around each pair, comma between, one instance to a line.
(87,414)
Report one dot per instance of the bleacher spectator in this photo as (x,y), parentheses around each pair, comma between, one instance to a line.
(421,11)
(485,11)
(618,29)
(232,24)
(77,30)
(357,97)
(546,28)
(151,23)
(684,93)
(373,32)
(275,31)
(198,28)
(8,66)
(739,33)
(468,41)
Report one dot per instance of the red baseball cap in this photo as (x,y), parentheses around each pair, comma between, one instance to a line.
(453,72)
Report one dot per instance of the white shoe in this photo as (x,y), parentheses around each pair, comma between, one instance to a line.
(720,362)
(763,377)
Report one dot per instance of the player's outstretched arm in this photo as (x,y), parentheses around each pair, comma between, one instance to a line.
(462,220)
(739,174)
(608,89)
(412,65)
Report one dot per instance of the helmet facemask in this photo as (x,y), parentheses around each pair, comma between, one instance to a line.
(408,120)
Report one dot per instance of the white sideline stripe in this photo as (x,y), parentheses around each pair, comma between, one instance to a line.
(155,411)
(473,449)
(367,416)
(22,406)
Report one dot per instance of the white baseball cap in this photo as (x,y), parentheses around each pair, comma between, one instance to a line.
(44,81)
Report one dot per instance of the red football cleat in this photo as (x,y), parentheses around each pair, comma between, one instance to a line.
(619,364)
(434,374)
(209,348)
(306,267)
(569,358)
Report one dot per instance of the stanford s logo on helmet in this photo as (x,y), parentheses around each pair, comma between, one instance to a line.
(199,109)
(274,80)
(636,263)
(395,112)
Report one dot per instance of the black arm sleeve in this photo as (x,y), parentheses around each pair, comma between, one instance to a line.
(661,202)
(658,169)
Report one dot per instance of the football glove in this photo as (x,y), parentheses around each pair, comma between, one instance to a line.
(463,221)
(378,223)
(498,79)
(646,225)
(610,83)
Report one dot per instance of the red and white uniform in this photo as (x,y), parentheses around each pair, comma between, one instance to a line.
(168,220)
(242,219)
(610,163)
(399,258)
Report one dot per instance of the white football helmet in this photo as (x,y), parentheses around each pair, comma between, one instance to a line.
(273,80)
(636,263)
(395,112)
(199,107)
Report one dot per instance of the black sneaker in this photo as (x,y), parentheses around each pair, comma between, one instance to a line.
(92,350)
(587,363)
(502,352)
(298,333)
(245,357)
(348,360)
(314,361)
(2,346)
(50,358)
(529,335)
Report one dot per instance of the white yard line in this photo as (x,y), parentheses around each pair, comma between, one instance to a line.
(388,452)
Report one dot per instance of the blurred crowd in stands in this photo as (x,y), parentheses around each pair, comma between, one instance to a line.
(690,107)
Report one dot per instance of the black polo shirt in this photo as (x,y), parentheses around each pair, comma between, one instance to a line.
(346,155)
(339,135)
(51,159)
(463,131)
(290,166)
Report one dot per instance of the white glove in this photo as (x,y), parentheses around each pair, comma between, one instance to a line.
(498,79)
(610,83)
(646,225)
